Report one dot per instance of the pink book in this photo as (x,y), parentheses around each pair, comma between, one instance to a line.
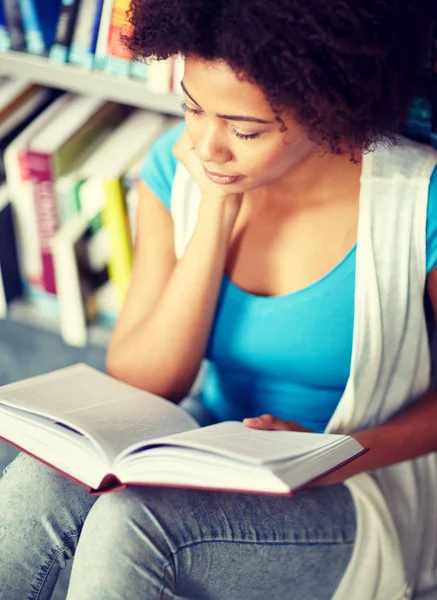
(40,172)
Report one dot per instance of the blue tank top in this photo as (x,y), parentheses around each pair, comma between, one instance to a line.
(286,355)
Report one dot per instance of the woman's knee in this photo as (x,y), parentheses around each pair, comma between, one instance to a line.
(32,490)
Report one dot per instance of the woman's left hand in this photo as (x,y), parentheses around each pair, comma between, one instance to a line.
(270,423)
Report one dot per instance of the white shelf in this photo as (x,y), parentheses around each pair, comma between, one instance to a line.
(37,69)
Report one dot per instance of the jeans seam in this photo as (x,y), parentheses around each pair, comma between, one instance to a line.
(263,543)
(45,569)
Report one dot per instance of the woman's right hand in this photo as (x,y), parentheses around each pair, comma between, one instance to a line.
(185,153)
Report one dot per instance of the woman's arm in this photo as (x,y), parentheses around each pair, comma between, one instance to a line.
(163,329)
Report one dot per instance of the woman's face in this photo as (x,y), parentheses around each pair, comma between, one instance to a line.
(234,131)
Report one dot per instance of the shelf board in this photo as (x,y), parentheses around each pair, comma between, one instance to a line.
(40,70)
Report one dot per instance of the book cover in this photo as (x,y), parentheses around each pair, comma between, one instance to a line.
(14,21)
(59,52)
(10,276)
(119,57)
(84,40)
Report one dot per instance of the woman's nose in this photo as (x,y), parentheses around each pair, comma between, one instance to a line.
(212,149)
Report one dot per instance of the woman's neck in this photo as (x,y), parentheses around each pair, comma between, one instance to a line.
(317,180)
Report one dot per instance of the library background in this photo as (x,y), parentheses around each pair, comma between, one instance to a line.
(77,116)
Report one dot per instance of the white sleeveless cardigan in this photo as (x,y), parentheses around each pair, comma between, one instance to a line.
(396,548)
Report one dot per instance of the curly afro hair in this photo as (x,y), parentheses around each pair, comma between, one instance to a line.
(347,68)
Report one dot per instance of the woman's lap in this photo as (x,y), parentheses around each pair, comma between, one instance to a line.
(198,544)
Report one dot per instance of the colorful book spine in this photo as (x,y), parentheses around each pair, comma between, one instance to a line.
(116,223)
(119,57)
(15,24)
(40,172)
(64,31)
(84,41)
(32,32)
(5,42)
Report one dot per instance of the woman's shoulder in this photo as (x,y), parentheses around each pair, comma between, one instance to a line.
(160,164)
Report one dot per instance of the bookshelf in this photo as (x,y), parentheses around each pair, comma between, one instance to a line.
(124,90)
(37,69)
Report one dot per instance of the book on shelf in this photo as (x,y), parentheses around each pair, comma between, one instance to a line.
(77,279)
(104,189)
(19,113)
(5,42)
(40,18)
(59,51)
(10,276)
(119,58)
(20,192)
(84,42)
(15,25)
(107,435)
(101,52)
(159,76)
(49,155)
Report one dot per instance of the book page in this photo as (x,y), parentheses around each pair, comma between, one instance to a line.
(113,414)
(235,440)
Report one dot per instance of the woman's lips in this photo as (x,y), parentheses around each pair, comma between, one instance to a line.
(221,179)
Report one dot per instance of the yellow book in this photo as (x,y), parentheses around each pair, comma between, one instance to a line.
(116,223)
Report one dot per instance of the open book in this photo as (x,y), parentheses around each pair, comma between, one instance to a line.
(106,434)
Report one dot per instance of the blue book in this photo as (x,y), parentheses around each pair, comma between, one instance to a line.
(84,41)
(5,42)
(40,19)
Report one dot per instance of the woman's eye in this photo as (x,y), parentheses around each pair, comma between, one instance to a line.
(245,136)
(188,109)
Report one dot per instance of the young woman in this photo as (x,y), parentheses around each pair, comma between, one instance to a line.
(286,235)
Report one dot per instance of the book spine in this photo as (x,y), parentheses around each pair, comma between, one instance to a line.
(15,25)
(9,265)
(64,31)
(81,53)
(5,42)
(32,31)
(96,27)
(102,40)
(116,222)
(40,171)
(119,58)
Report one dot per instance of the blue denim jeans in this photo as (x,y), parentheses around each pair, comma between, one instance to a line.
(155,543)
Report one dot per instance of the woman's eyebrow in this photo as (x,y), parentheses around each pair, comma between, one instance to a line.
(230,117)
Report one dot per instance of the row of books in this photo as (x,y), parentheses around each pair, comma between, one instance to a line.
(68,197)
(85,33)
